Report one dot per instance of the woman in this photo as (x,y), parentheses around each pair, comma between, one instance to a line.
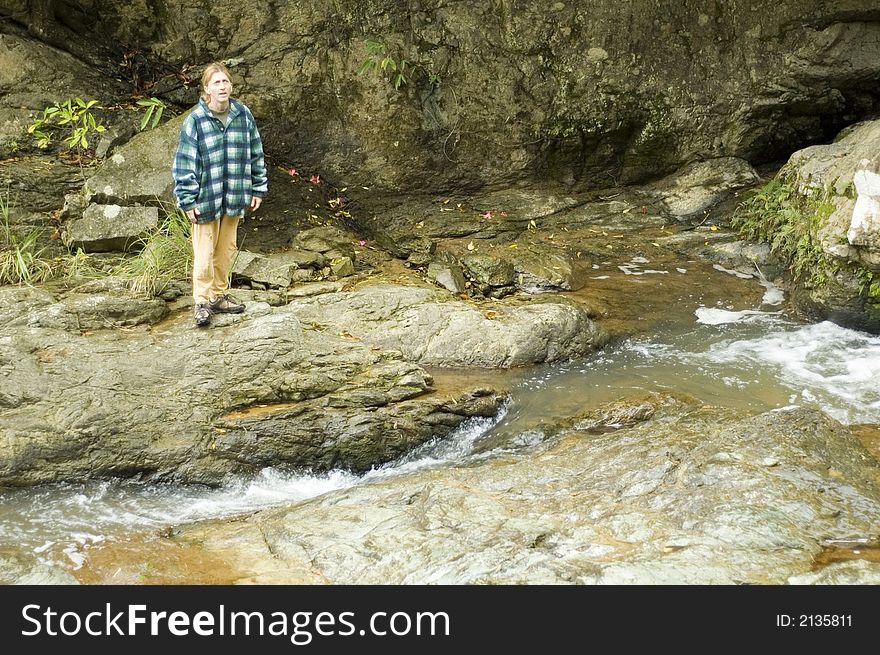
(219,171)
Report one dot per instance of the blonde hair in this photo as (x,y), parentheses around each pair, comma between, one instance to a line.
(210,69)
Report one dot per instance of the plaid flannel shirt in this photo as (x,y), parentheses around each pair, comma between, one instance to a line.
(218,169)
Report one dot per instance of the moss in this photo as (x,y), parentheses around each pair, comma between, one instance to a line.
(788,219)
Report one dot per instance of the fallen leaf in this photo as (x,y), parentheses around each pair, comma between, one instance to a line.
(471,246)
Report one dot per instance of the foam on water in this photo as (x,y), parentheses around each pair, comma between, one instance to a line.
(59,522)
(833,367)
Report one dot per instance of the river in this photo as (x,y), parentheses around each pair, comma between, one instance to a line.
(757,359)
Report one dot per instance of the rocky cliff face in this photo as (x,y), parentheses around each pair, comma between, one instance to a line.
(593,94)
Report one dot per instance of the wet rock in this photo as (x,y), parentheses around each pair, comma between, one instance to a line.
(17,569)
(841,573)
(692,190)
(681,500)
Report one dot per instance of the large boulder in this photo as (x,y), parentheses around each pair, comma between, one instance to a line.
(175,402)
(492,92)
(806,212)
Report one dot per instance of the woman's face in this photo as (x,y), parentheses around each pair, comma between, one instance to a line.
(218,89)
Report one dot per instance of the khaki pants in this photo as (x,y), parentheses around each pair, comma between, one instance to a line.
(214,247)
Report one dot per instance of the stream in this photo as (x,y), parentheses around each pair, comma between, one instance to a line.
(754,359)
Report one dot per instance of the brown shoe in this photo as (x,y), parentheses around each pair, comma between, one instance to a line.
(202,314)
(226,305)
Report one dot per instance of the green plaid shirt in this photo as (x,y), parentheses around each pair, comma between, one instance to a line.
(218,169)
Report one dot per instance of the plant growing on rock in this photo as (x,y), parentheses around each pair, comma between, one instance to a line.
(153,110)
(73,117)
(787,219)
(21,260)
(165,255)
(382,58)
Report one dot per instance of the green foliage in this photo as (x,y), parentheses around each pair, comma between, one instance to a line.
(21,260)
(78,266)
(788,219)
(73,117)
(379,57)
(165,255)
(153,110)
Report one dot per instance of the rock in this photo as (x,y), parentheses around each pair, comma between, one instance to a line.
(857,571)
(138,172)
(111,139)
(834,288)
(325,240)
(541,268)
(342,266)
(427,327)
(105,403)
(695,188)
(682,500)
(445,270)
(490,270)
(279,269)
(36,76)
(104,228)
(479,108)
(20,570)
(864,229)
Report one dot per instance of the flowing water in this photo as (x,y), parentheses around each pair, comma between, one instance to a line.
(753,359)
